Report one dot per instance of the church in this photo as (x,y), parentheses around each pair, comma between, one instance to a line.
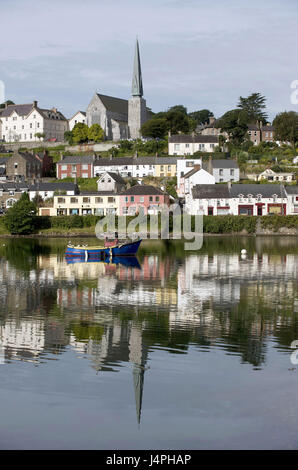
(119,118)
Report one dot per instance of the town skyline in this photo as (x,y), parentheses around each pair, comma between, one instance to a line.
(57,67)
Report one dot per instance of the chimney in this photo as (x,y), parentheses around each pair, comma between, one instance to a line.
(211,119)
(229,185)
(34,104)
(169,133)
(61,156)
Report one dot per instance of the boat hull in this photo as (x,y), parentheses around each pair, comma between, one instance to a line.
(127,249)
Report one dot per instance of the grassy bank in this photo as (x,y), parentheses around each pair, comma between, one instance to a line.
(224,224)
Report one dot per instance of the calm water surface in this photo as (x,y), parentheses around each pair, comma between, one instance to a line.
(180,350)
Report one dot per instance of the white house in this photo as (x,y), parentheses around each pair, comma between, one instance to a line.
(184,165)
(223,170)
(112,182)
(47,190)
(292,197)
(184,144)
(271,175)
(240,199)
(121,165)
(23,122)
(79,117)
(194,177)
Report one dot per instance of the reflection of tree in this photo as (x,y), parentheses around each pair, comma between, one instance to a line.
(22,253)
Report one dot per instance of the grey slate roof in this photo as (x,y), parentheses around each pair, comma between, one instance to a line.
(3,160)
(210,191)
(12,185)
(266,190)
(59,186)
(291,189)
(140,189)
(186,138)
(116,177)
(193,171)
(224,163)
(21,109)
(114,161)
(115,105)
(77,159)
(137,161)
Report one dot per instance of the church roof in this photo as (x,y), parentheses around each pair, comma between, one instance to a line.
(115,105)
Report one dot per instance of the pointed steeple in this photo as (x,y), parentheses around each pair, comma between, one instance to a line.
(137,85)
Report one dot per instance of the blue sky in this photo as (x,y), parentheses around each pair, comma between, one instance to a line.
(196,53)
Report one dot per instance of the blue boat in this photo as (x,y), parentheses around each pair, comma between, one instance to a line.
(102,253)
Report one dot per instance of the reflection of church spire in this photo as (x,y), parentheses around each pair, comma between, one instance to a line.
(136,356)
(138,380)
(137,84)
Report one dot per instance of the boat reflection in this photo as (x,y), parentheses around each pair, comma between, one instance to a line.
(129,261)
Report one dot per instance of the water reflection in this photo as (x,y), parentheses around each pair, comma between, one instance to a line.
(117,313)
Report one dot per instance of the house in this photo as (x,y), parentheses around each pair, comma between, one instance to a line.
(48,190)
(10,192)
(86,203)
(137,167)
(25,165)
(184,165)
(208,199)
(223,170)
(150,198)
(79,117)
(260,133)
(184,144)
(238,199)
(47,162)
(76,166)
(258,199)
(292,197)
(158,167)
(121,165)
(112,182)
(23,123)
(210,128)
(194,177)
(271,175)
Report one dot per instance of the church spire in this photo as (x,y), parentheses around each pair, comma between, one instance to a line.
(137,85)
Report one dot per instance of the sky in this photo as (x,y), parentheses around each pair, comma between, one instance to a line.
(193,52)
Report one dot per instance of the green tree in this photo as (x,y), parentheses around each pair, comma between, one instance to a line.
(201,116)
(254,106)
(21,218)
(156,128)
(180,108)
(68,136)
(2,105)
(177,122)
(286,127)
(80,133)
(96,133)
(234,122)
(40,135)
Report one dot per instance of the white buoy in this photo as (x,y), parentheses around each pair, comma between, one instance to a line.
(243,252)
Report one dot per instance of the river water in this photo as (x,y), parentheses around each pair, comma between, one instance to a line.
(174,350)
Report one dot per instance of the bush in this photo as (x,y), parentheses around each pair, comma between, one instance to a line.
(21,218)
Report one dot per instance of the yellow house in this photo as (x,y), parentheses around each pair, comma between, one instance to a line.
(95,203)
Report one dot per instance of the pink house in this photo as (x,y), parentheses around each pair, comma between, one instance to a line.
(149,197)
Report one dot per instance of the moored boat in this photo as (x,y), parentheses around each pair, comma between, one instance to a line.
(87,252)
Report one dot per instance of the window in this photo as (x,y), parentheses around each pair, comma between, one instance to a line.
(169,167)
(132,199)
(232,172)
(157,199)
(86,200)
(84,167)
(176,147)
(61,200)
(187,146)
(142,199)
(111,199)
(98,200)
(73,200)
(221,172)
(150,198)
